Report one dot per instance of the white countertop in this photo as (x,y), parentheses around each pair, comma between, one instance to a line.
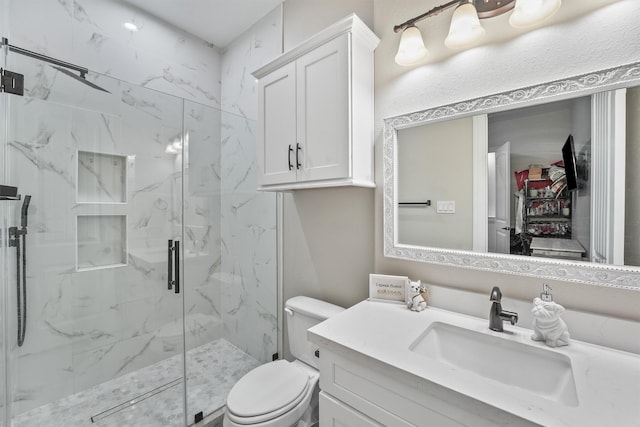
(607,381)
(555,244)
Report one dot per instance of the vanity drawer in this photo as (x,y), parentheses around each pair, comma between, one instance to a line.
(395,398)
(391,402)
(334,413)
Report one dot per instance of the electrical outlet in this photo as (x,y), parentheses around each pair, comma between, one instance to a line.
(446,207)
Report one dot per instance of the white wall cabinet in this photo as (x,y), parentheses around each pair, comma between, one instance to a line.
(315,118)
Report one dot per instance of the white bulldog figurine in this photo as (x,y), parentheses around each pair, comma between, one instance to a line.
(417,296)
(547,324)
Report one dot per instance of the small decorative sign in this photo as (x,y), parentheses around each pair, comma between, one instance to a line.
(388,288)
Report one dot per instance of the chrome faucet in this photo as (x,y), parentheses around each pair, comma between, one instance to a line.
(497,315)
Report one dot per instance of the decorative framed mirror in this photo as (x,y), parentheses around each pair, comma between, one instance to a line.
(441,208)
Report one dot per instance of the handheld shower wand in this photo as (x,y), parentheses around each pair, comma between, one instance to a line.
(18,238)
(25,210)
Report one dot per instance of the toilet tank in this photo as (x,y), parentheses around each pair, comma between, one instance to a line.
(303,313)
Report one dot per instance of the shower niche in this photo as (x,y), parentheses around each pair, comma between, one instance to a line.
(102,178)
(101,233)
(101,241)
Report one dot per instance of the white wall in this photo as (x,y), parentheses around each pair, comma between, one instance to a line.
(328,239)
(328,244)
(592,39)
(442,150)
(304,18)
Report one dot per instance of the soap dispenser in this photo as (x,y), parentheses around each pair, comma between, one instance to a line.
(547,324)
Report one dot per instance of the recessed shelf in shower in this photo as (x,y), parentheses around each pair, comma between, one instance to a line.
(101,241)
(102,178)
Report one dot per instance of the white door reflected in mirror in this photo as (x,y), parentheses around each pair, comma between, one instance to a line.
(499,171)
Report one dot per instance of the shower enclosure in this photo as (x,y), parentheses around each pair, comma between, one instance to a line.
(134,303)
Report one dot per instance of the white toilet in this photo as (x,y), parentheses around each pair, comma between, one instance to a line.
(280,393)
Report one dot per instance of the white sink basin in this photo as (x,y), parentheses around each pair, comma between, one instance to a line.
(546,373)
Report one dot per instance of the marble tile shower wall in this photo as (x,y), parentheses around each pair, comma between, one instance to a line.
(86,327)
(249,218)
(90,33)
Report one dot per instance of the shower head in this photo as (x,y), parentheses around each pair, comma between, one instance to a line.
(64,66)
(79,78)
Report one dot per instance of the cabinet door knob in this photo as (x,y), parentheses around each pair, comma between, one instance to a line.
(298,148)
(289,156)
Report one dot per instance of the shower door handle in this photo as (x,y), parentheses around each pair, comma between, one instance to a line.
(170,265)
(173,266)
(176,269)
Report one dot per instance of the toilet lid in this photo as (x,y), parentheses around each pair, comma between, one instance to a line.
(267,389)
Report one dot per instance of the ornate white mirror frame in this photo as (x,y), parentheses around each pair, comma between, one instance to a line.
(625,277)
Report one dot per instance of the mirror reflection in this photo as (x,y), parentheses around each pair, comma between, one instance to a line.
(435,175)
(559,180)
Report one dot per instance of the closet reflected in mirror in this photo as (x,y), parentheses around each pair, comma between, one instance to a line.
(556,180)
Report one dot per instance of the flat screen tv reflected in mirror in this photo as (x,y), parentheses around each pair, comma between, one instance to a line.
(569,159)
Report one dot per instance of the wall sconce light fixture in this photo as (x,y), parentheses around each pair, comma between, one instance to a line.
(465,29)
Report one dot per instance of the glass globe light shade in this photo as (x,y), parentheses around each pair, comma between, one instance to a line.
(527,13)
(465,28)
(411,49)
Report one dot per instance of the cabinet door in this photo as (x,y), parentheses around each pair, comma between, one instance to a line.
(323,112)
(276,154)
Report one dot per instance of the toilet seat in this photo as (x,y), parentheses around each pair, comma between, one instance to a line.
(267,392)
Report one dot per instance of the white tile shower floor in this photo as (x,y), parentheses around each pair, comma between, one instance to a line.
(212,369)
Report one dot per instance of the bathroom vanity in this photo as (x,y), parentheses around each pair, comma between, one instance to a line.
(382,364)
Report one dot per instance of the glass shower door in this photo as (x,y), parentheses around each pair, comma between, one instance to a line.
(230,269)
(104,338)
